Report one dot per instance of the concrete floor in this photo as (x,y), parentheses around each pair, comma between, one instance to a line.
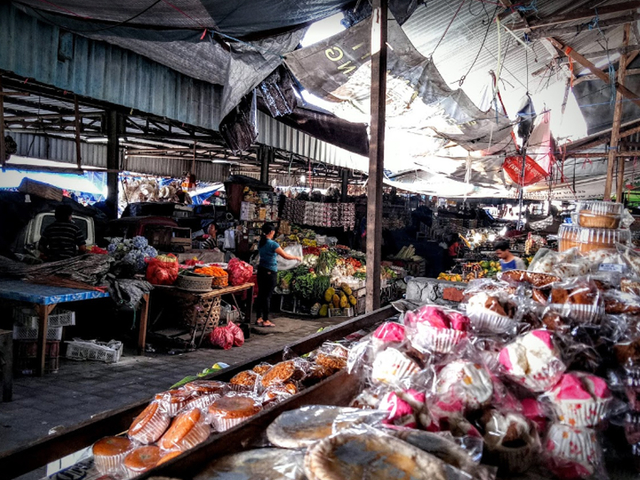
(81,389)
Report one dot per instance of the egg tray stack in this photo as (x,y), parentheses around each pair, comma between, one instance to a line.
(596,227)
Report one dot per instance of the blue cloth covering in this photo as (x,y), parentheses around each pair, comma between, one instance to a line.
(44,294)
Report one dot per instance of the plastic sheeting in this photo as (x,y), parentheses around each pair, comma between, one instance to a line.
(339,70)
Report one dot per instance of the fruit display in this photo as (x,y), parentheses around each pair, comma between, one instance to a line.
(473,271)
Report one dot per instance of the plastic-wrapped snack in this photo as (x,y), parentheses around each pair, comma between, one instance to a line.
(533,361)
(208,387)
(187,430)
(619,303)
(283,372)
(488,315)
(403,408)
(262,368)
(574,453)
(512,443)
(260,464)
(567,264)
(393,367)
(277,393)
(537,280)
(142,459)
(580,399)
(305,426)
(437,330)
(172,401)
(150,424)
(245,381)
(229,411)
(331,361)
(463,385)
(349,454)
(369,398)
(318,372)
(598,214)
(534,412)
(109,454)
(577,299)
(632,387)
(631,257)
(630,285)
(389,334)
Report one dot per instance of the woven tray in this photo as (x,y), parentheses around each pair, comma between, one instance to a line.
(193,283)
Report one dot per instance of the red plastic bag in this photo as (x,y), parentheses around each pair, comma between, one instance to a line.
(239,272)
(222,337)
(238,334)
(162,270)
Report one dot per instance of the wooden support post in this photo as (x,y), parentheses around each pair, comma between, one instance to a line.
(617,117)
(376,151)
(345,185)
(3,148)
(142,327)
(265,157)
(6,364)
(78,125)
(193,159)
(43,327)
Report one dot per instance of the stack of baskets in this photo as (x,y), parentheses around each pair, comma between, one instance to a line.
(193,282)
(596,226)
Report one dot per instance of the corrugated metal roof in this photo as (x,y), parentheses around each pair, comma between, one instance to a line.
(173,167)
(104,72)
(276,134)
(59,149)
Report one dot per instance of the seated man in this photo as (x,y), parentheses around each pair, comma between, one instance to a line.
(63,238)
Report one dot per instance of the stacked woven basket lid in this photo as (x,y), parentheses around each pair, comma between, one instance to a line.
(596,226)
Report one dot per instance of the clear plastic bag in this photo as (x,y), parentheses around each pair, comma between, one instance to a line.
(296,251)
(574,453)
(263,464)
(188,429)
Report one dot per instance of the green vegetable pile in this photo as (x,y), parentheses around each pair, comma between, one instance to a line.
(326,262)
(303,286)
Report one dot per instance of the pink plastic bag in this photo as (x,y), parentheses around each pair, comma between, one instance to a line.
(238,334)
(239,272)
(222,337)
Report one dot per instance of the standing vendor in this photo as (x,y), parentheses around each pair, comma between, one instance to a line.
(63,238)
(508,261)
(268,272)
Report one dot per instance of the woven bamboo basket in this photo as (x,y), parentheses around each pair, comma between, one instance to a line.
(220,282)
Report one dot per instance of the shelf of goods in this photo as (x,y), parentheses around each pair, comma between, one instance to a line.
(315,214)
(337,389)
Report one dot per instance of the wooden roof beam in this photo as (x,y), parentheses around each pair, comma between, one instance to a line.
(567,50)
(603,24)
(577,15)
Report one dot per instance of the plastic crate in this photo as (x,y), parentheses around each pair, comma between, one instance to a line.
(340,312)
(95,351)
(25,360)
(28,333)
(26,317)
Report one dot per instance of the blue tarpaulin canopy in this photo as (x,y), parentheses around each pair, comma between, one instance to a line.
(94,183)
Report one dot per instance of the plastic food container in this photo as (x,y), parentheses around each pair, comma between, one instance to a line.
(568,236)
(602,238)
(599,214)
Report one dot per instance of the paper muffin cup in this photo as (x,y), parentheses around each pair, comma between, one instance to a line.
(198,434)
(567,446)
(516,460)
(581,413)
(106,464)
(579,313)
(392,366)
(222,424)
(202,402)
(154,428)
(486,321)
(437,340)
(172,408)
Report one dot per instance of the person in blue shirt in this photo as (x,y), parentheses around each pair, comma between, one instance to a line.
(508,261)
(268,272)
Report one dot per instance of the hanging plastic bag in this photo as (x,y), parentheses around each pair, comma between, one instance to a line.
(162,270)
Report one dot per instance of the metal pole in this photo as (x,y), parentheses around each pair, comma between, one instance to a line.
(113,160)
(78,126)
(3,150)
(345,185)
(265,157)
(376,151)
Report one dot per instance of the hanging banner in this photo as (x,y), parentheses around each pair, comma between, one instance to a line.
(533,173)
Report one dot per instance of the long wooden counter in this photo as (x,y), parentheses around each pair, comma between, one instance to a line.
(333,390)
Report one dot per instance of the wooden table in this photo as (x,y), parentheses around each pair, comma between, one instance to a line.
(196,298)
(44,298)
